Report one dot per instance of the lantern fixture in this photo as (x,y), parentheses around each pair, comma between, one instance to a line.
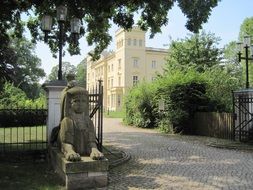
(46,26)
(75,25)
(61,13)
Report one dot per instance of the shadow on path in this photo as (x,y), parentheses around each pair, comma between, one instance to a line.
(160,162)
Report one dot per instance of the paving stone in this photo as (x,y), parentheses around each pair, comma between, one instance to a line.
(161,162)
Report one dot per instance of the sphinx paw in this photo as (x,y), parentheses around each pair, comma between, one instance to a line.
(73,157)
(96,154)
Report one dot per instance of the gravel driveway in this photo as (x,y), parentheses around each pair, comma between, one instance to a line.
(160,162)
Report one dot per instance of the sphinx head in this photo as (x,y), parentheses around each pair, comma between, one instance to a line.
(77,100)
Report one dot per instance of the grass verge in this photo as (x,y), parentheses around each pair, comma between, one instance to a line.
(114,114)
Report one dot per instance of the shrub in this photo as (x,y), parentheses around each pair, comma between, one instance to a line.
(220,87)
(185,91)
(13,97)
(22,117)
(140,109)
(185,100)
(17,110)
(164,124)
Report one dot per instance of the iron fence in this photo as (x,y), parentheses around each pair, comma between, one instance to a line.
(23,129)
(243,115)
(96,111)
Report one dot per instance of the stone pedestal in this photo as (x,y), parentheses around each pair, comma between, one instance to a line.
(53,90)
(84,174)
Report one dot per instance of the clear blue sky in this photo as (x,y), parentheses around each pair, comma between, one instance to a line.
(224,22)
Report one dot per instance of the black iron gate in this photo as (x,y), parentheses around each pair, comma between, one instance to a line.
(96,111)
(243,115)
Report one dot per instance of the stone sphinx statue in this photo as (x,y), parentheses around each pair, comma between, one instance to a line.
(76,136)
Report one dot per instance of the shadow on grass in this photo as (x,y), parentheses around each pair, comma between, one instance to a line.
(30,170)
(25,173)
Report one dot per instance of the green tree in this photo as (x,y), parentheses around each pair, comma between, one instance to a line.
(96,17)
(81,73)
(66,68)
(21,66)
(246,28)
(220,86)
(230,53)
(197,50)
(7,59)
(231,62)
(26,69)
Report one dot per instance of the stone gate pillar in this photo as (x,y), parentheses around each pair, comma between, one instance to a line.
(53,90)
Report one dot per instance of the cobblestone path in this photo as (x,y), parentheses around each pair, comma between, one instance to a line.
(160,162)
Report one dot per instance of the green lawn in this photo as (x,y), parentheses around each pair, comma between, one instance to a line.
(23,137)
(114,114)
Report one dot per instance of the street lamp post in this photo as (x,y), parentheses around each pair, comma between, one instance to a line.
(246,45)
(46,26)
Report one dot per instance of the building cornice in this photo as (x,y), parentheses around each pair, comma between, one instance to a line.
(162,50)
(102,60)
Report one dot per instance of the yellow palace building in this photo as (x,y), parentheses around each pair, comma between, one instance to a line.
(129,64)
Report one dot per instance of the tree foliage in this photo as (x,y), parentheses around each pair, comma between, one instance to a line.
(81,73)
(21,66)
(13,97)
(7,59)
(96,16)
(66,68)
(231,62)
(184,93)
(27,71)
(246,28)
(198,50)
(221,83)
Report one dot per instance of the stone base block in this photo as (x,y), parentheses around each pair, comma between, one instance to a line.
(84,174)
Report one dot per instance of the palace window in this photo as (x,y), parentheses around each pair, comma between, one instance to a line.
(111,82)
(119,81)
(140,43)
(129,41)
(153,64)
(135,80)
(119,101)
(119,64)
(108,100)
(135,42)
(108,82)
(112,102)
(119,44)
(135,63)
